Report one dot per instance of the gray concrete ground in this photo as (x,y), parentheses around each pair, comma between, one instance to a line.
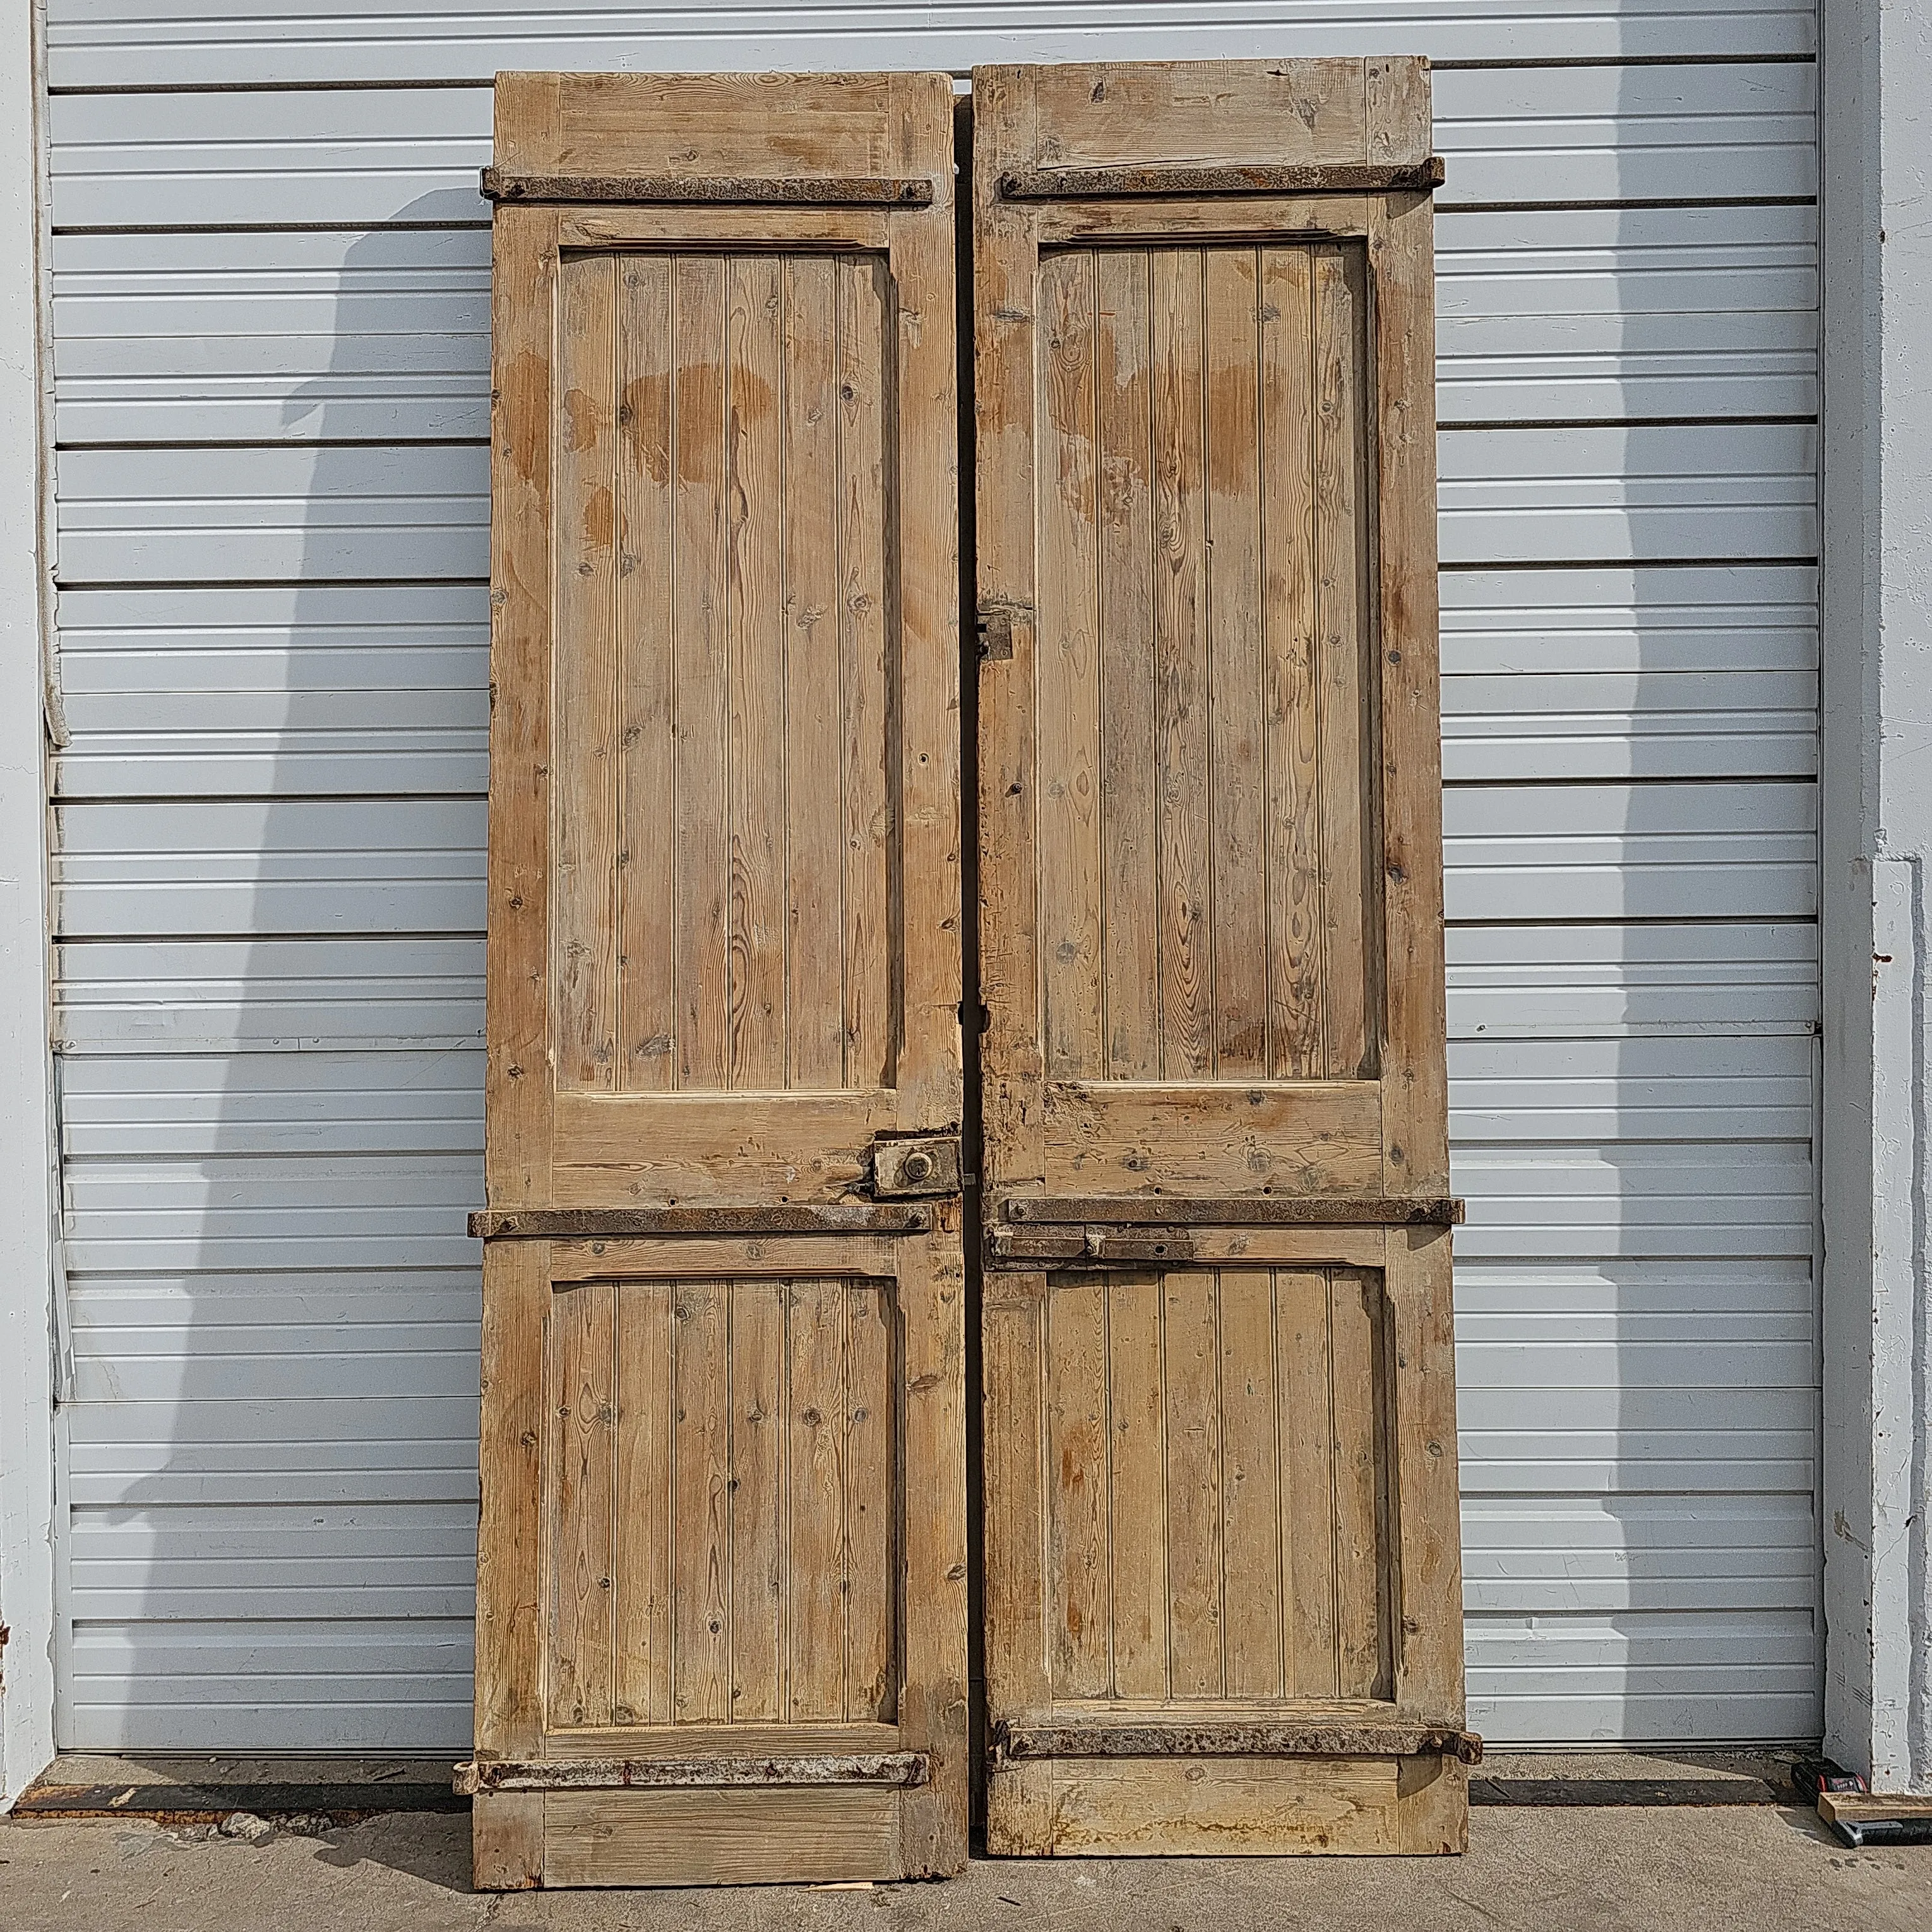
(1753,1867)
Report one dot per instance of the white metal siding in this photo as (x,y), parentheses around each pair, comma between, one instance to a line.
(271,344)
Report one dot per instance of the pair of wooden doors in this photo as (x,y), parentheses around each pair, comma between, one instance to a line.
(736,1236)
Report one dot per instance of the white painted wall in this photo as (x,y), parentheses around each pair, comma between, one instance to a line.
(1878,832)
(26,1373)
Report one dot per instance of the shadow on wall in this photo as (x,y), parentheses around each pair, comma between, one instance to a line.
(296,1571)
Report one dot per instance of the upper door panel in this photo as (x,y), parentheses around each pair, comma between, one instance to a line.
(724,866)
(1211,898)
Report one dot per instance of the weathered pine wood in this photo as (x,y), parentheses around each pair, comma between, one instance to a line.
(510,1721)
(1304,1371)
(581,1459)
(812,719)
(748,620)
(585,754)
(722,1623)
(517,1089)
(1138,1453)
(642,1580)
(1219,1807)
(1212,1045)
(1401,263)
(1427,1582)
(647,871)
(784,1835)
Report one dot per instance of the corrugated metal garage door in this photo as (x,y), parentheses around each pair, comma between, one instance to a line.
(270,321)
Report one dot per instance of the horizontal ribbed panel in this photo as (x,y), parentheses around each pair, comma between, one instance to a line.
(274,663)
(107,43)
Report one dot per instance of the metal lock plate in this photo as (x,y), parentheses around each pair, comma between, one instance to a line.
(928,1165)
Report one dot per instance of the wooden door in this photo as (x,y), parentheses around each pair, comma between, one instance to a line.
(1223,1588)
(722,1593)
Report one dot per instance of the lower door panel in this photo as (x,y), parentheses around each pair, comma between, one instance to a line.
(721,1609)
(1195,1562)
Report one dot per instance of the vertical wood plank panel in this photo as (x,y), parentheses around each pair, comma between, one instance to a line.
(815,925)
(817,1481)
(584,835)
(757,682)
(1180,658)
(1130,844)
(1017,1479)
(870,1495)
(646,1015)
(701,1504)
(1078,1565)
(701,962)
(1355,1325)
(642,1577)
(1342,617)
(1236,773)
(1295,890)
(1137,1405)
(1251,1484)
(1069,646)
(1194,1547)
(759,1580)
(859,483)
(1307,1433)
(583,1409)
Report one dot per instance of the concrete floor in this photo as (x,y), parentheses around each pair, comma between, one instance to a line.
(1726,1868)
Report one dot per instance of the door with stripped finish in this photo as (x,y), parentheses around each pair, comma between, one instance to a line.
(721,1595)
(1222,1592)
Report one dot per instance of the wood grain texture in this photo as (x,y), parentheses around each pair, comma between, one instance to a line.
(1210,958)
(1415,1126)
(582,1465)
(509,1580)
(585,831)
(1219,1807)
(796,1836)
(723,1410)
(713,1442)
(722,676)
(507,1832)
(727,854)
(1213,1451)
(1204,886)
(517,1096)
